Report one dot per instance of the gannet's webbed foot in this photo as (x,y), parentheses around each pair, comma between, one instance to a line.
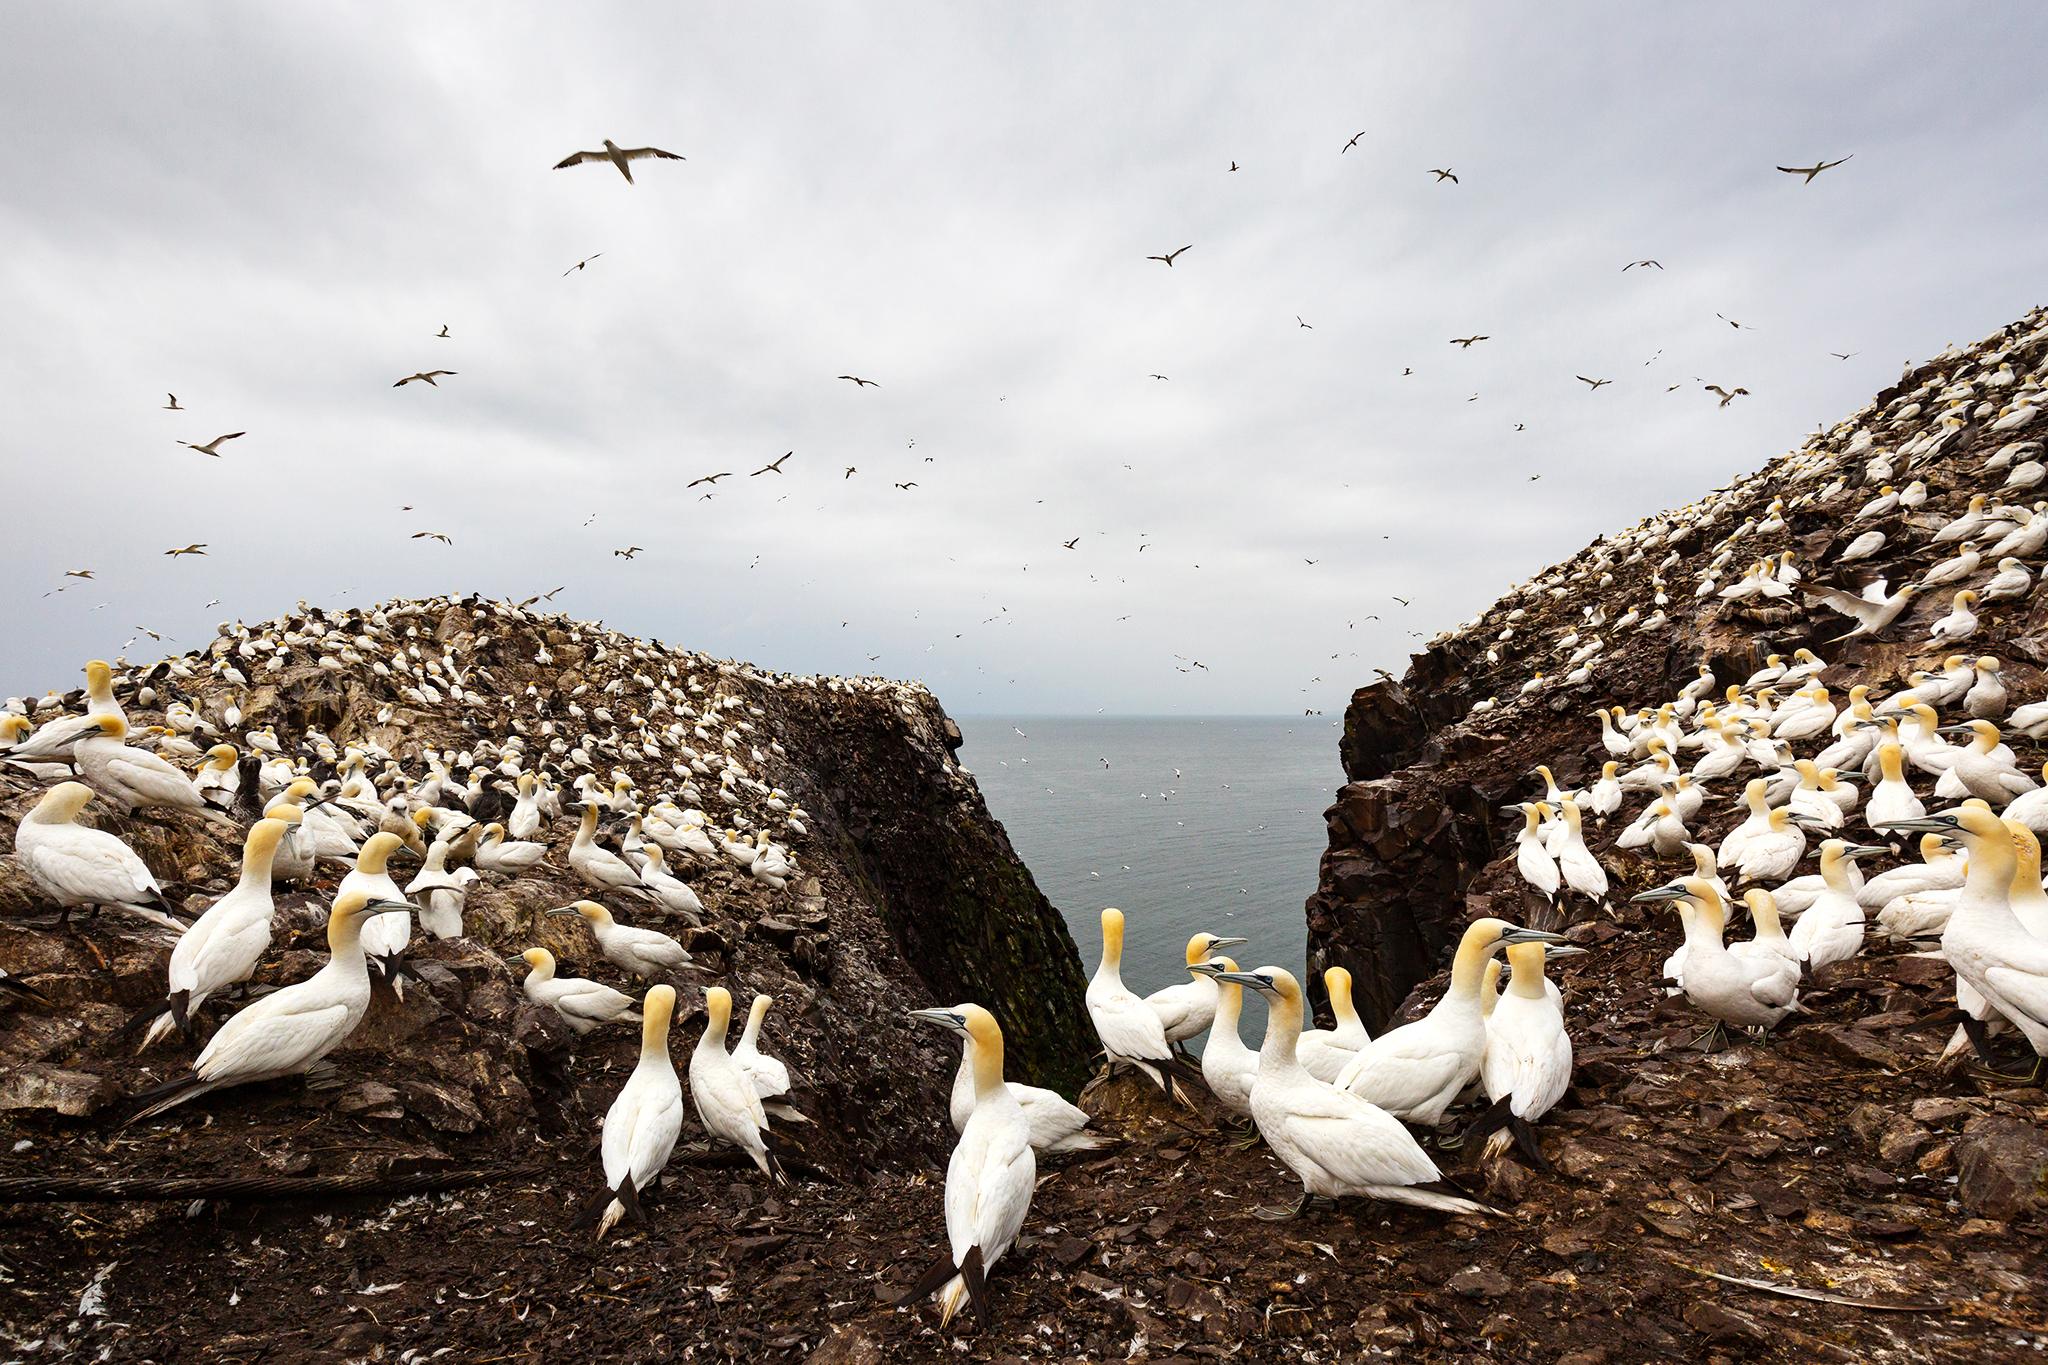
(1273,1213)
(1713,1040)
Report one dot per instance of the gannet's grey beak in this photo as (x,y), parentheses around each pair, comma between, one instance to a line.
(1227,942)
(1262,984)
(1519,935)
(1864,850)
(564,910)
(1566,950)
(945,1019)
(1931,824)
(1671,892)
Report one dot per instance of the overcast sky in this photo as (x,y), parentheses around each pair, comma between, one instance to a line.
(272,209)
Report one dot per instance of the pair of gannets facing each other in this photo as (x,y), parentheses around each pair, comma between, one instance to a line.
(1335,1143)
(1527,1065)
(287,1031)
(222,947)
(641,1127)
(727,1099)
(990,1177)
(1415,1072)
(1130,1029)
(1994,954)
(1749,989)
(1187,1010)
(76,865)
(582,1004)
(646,953)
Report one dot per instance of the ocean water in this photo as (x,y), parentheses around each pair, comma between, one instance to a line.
(1184,823)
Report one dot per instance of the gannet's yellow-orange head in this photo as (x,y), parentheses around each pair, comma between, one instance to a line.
(112,726)
(540,959)
(286,812)
(99,680)
(376,852)
(1202,946)
(264,837)
(657,1007)
(62,803)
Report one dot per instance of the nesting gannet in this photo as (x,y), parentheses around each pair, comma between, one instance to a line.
(1228,1066)
(1187,1009)
(1961,621)
(1336,1143)
(76,865)
(1581,870)
(726,1101)
(287,1031)
(1532,858)
(1056,1125)
(640,1128)
(1415,1071)
(583,1005)
(525,820)
(1130,1029)
(1991,950)
(1772,854)
(1751,991)
(1985,768)
(1326,1052)
(1528,1060)
(1831,928)
(769,1075)
(646,953)
(599,867)
(223,946)
(669,891)
(133,779)
(990,1178)
(495,853)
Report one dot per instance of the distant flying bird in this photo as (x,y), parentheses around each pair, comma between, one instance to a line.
(1467,342)
(1297,318)
(432,535)
(1354,141)
(1596,383)
(78,573)
(197,548)
(850,472)
(425,375)
(772,467)
(1519,426)
(1233,165)
(710,478)
(906,487)
(443,333)
(1407,370)
(860,383)
(212,447)
(1659,265)
(549,596)
(1739,326)
(1168,257)
(1840,356)
(617,156)
(173,404)
(1811,171)
(1727,395)
(1306,560)
(580,264)
(1402,600)
(1070,544)
(628,552)
(1160,376)
(1444,175)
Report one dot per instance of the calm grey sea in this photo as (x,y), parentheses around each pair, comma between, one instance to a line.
(1183,823)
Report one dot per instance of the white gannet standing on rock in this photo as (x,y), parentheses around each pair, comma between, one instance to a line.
(1892,800)
(668,890)
(1581,870)
(769,1075)
(133,779)
(646,953)
(1831,928)
(1326,1052)
(1985,768)
(583,1005)
(1336,1143)
(1961,621)
(385,937)
(1228,1066)
(641,1127)
(1415,1071)
(525,820)
(1056,1125)
(990,1178)
(76,865)
(287,1031)
(219,779)
(1751,991)
(1532,857)
(223,946)
(1130,1030)
(1187,1009)
(1993,953)
(1527,1065)
(727,1103)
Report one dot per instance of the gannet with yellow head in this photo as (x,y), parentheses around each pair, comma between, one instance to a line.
(76,865)
(641,1127)
(727,1103)
(1188,1009)
(223,946)
(1130,1030)
(646,953)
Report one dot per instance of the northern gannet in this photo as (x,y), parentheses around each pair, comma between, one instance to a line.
(223,946)
(1188,1009)
(1326,1052)
(287,1031)
(990,1178)
(1532,858)
(1130,1030)
(1582,871)
(76,865)
(1961,621)
(219,779)
(769,1075)
(1056,1125)
(620,157)
(640,1128)
(599,867)
(385,937)
(1831,928)
(646,953)
(133,779)
(495,853)
(1751,991)
(583,1005)
(669,891)
(726,1101)
(1985,768)
(1528,1059)
(1415,1071)
(1228,1066)
(1336,1143)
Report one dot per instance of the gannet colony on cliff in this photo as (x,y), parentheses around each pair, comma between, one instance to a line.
(1877,806)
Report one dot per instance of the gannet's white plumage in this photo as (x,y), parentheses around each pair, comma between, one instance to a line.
(991,1175)
(1831,928)
(223,946)
(727,1103)
(287,1031)
(599,867)
(1335,1143)
(133,779)
(641,1127)
(385,937)
(1186,1010)
(1415,1071)
(583,1005)
(1528,1060)
(646,953)
(1228,1066)
(1129,1028)
(1749,991)
(496,853)
(76,865)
